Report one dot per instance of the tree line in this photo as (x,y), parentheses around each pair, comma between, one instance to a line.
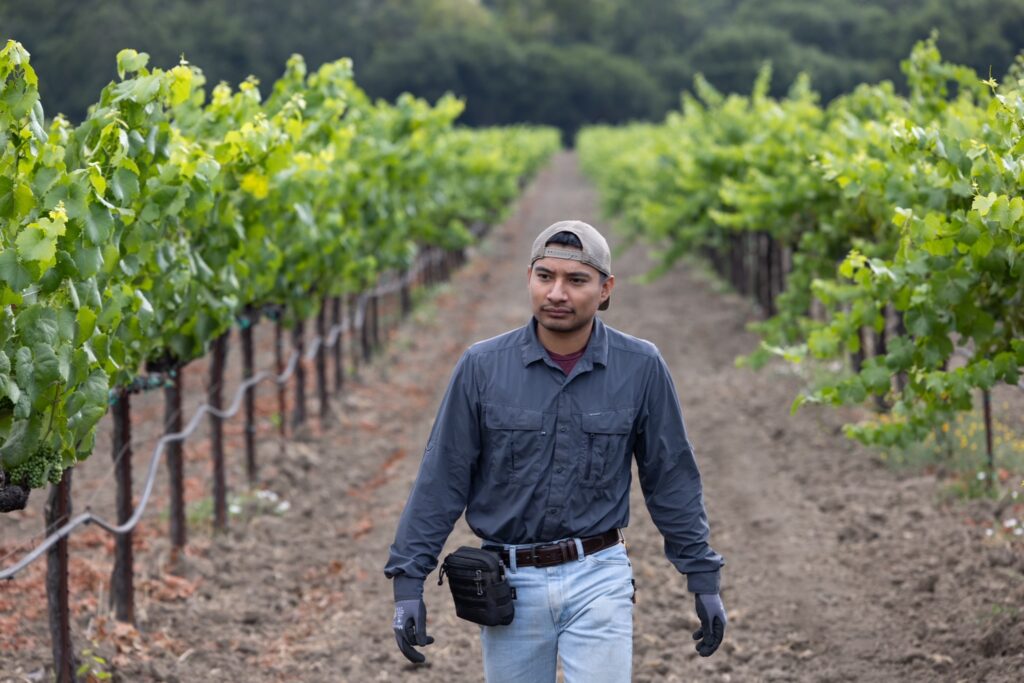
(555,62)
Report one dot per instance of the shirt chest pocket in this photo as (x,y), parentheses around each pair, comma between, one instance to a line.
(605,441)
(513,439)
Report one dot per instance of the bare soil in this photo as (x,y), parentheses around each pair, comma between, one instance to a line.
(838,569)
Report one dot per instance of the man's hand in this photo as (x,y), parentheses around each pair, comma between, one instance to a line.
(711,613)
(410,627)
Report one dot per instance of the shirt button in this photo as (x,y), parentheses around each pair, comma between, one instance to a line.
(559,469)
(543,433)
(561,429)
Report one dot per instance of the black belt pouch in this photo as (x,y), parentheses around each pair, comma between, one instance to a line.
(479,586)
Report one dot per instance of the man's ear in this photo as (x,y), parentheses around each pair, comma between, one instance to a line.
(607,287)
(529,273)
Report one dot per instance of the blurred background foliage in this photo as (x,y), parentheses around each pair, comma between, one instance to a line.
(557,62)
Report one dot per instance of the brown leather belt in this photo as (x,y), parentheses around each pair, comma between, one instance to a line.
(550,554)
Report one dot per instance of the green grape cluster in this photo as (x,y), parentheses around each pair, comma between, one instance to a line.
(45,465)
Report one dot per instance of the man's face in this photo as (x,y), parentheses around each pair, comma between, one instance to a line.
(565,294)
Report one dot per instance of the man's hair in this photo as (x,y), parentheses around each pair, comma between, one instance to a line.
(568,239)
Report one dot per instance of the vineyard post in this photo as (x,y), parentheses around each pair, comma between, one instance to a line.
(986,399)
(364,328)
(122,578)
(375,301)
(176,470)
(735,263)
(406,297)
(769,276)
(354,306)
(58,512)
(214,395)
(248,363)
(779,271)
(735,269)
(881,349)
(754,254)
(857,357)
(321,362)
(282,401)
(299,344)
(741,248)
(756,271)
(339,347)
(900,331)
(760,270)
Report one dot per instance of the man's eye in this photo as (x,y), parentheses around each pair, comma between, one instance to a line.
(578,281)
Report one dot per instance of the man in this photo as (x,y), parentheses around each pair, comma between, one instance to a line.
(534,440)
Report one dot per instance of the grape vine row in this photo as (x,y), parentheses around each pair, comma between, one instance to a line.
(888,229)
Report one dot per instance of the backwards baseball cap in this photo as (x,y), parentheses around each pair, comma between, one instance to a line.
(595,250)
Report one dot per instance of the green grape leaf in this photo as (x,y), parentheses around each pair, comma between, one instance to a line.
(85,324)
(12,272)
(35,245)
(88,404)
(876,376)
(37,324)
(88,261)
(21,441)
(125,185)
(9,388)
(129,60)
(982,204)
(98,224)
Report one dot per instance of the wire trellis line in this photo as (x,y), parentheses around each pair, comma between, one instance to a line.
(315,344)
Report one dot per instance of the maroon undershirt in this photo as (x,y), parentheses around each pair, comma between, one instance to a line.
(567,362)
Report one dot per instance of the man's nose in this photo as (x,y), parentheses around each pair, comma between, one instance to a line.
(557,291)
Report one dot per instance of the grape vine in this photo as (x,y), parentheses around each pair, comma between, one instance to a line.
(898,221)
(141,235)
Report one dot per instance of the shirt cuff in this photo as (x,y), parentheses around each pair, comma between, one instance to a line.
(407,587)
(703,582)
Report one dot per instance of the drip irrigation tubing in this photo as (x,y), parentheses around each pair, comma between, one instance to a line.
(88,517)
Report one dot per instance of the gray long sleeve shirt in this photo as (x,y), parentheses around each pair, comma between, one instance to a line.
(533,455)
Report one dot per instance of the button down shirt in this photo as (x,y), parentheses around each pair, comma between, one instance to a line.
(533,455)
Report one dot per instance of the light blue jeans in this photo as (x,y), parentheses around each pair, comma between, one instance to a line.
(579,612)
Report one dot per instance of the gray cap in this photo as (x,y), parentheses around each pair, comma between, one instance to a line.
(595,250)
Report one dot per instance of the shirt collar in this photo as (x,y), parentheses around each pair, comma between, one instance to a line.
(597,347)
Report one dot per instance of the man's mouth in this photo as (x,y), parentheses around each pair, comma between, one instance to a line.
(557,311)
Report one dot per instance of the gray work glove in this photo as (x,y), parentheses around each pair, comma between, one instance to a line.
(711,613)
(410,627)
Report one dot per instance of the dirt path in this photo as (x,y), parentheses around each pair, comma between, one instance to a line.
(837,570)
